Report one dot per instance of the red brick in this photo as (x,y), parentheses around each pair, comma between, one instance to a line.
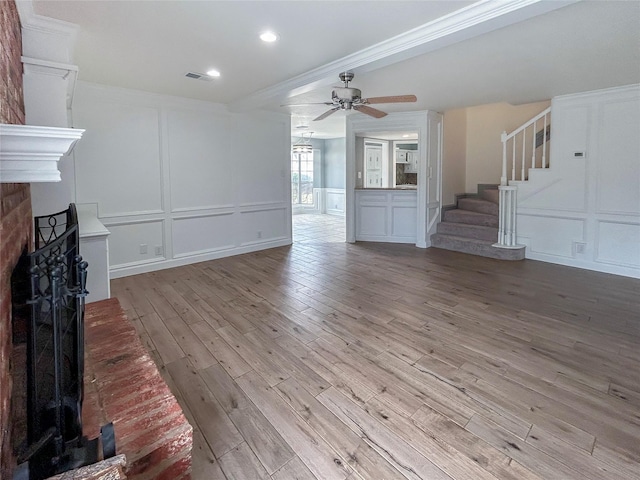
(151,429)
(15,213)
(141,461)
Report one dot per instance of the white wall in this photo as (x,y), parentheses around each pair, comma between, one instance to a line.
(585,212)
(186,178)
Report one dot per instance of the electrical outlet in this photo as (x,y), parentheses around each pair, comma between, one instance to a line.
(259,233)
(158,249)
(580,248)
(143,248)
(359,175)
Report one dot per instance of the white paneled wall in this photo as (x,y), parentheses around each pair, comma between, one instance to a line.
(584,210)
(178,181)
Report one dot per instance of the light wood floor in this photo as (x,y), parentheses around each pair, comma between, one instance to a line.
(313,228)
(333,361)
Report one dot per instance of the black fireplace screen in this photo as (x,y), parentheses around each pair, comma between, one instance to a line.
(55,350)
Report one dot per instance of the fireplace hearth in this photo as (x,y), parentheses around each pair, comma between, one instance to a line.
(48,296)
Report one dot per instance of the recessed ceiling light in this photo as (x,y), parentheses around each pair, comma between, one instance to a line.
(213,73)
(268,37)
(406,135)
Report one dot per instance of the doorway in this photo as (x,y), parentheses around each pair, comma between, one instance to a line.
(318,191)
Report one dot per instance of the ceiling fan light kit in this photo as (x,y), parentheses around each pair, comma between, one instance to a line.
(348,98)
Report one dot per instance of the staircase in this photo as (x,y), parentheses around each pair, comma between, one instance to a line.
(472,227)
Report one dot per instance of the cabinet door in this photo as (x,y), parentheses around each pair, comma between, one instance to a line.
(374,179)
(412,165)
(408,168)
(373,158)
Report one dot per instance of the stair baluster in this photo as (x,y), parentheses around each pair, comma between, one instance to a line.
(507,233)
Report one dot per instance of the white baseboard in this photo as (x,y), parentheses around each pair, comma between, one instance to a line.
(596,267)
(125,271)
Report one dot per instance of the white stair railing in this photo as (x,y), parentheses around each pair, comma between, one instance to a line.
(529,143)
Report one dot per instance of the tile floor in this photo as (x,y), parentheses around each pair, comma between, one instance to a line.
(315,228)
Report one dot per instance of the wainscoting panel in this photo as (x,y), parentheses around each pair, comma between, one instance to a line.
(372,221)
(262,224)
(386,216)
(203,233)
(188,179)
(560,242)
(127,239)
(334,201)
(403,222)
(618,243)
(585,210)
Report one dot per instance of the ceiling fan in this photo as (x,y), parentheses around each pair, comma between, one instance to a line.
(347,98)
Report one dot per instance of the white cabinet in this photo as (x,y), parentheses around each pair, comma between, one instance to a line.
(412,162)
(401,156)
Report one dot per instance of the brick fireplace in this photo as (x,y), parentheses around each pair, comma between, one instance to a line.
(122,383)
(15,215)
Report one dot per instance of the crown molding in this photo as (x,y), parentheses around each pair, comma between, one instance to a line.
(474,20)
(45,38)
(30,154)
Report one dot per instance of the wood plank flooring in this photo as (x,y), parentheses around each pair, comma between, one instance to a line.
(380,361)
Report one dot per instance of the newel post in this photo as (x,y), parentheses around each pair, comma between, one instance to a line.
(503,177)
(507,234)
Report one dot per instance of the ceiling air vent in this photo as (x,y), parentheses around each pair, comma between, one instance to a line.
(198,76)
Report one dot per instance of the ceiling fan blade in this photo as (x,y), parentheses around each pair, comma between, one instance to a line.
(305,104)
(374,112)
(390,99)
(326,114)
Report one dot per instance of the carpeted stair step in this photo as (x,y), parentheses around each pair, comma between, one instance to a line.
(472,218)
(475,246)
(480,232)
(478,205)
(491,195)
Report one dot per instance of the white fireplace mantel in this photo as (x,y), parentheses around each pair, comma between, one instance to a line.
(30,154)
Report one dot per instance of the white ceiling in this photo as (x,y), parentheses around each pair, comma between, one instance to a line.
(150,45)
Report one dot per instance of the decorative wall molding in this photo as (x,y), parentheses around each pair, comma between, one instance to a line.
(31,154)
(599,237)
(261,206)
(139,213)
(125,270)
(334,201)
(204,208)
